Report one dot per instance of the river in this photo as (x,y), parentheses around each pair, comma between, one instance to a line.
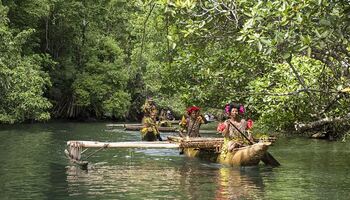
(34,167)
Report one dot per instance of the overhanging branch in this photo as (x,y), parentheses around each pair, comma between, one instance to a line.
(299,127)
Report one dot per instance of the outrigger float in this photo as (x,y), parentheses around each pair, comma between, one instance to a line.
(201,147)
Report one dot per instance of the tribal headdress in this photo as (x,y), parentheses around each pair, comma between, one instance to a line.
(192,108)
(239,107)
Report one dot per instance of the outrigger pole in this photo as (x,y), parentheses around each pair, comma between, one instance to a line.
(75,148)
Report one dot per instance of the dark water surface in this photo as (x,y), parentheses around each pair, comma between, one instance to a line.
(35,167)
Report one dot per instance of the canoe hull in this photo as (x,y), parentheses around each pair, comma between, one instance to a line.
(204,154)
(245,156)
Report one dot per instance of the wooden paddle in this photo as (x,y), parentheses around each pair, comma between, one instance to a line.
(158,133)
(268,159)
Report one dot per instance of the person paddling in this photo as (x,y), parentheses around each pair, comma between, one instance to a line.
(234,129)
(190,126)
(233,137)
(149,131)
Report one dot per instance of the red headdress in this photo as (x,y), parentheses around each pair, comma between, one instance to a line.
(192,108)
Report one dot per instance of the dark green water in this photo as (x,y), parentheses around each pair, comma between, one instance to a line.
(34,167)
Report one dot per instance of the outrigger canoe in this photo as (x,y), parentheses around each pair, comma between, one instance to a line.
(204,148)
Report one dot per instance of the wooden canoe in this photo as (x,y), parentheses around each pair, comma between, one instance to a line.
(112,126)
(210,149)
(139,127)
(175,122)
(205,148)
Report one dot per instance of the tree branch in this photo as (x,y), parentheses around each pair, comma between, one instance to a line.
(300,79)
(144,31)
(312,125)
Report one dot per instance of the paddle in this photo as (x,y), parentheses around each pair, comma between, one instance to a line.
(268,159)
(158,133)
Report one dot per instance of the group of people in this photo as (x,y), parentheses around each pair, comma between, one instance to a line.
(235,129)
(165,118)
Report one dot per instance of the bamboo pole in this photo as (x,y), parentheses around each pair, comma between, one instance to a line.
(96,144)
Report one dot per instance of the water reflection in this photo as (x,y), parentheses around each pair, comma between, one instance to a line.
(35,167)
(239,183)
(123,182)
(169,176)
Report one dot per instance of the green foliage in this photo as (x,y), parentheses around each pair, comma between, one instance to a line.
(88,40)
(22,82)
(287,61)
(117,105)
(27,13)
(280,101)
(103,78)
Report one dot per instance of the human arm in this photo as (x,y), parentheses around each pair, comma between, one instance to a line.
(183,127)
(202,119)
(249,127)
(226,128)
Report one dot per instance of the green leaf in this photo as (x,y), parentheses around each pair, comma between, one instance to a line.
(339,87)
(317,33)
(309,52)
(286,56)
(240,38)
(260,46)
(265,41)
(325,34)
(325,22)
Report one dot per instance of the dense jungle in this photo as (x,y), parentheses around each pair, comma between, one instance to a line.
(288,62)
